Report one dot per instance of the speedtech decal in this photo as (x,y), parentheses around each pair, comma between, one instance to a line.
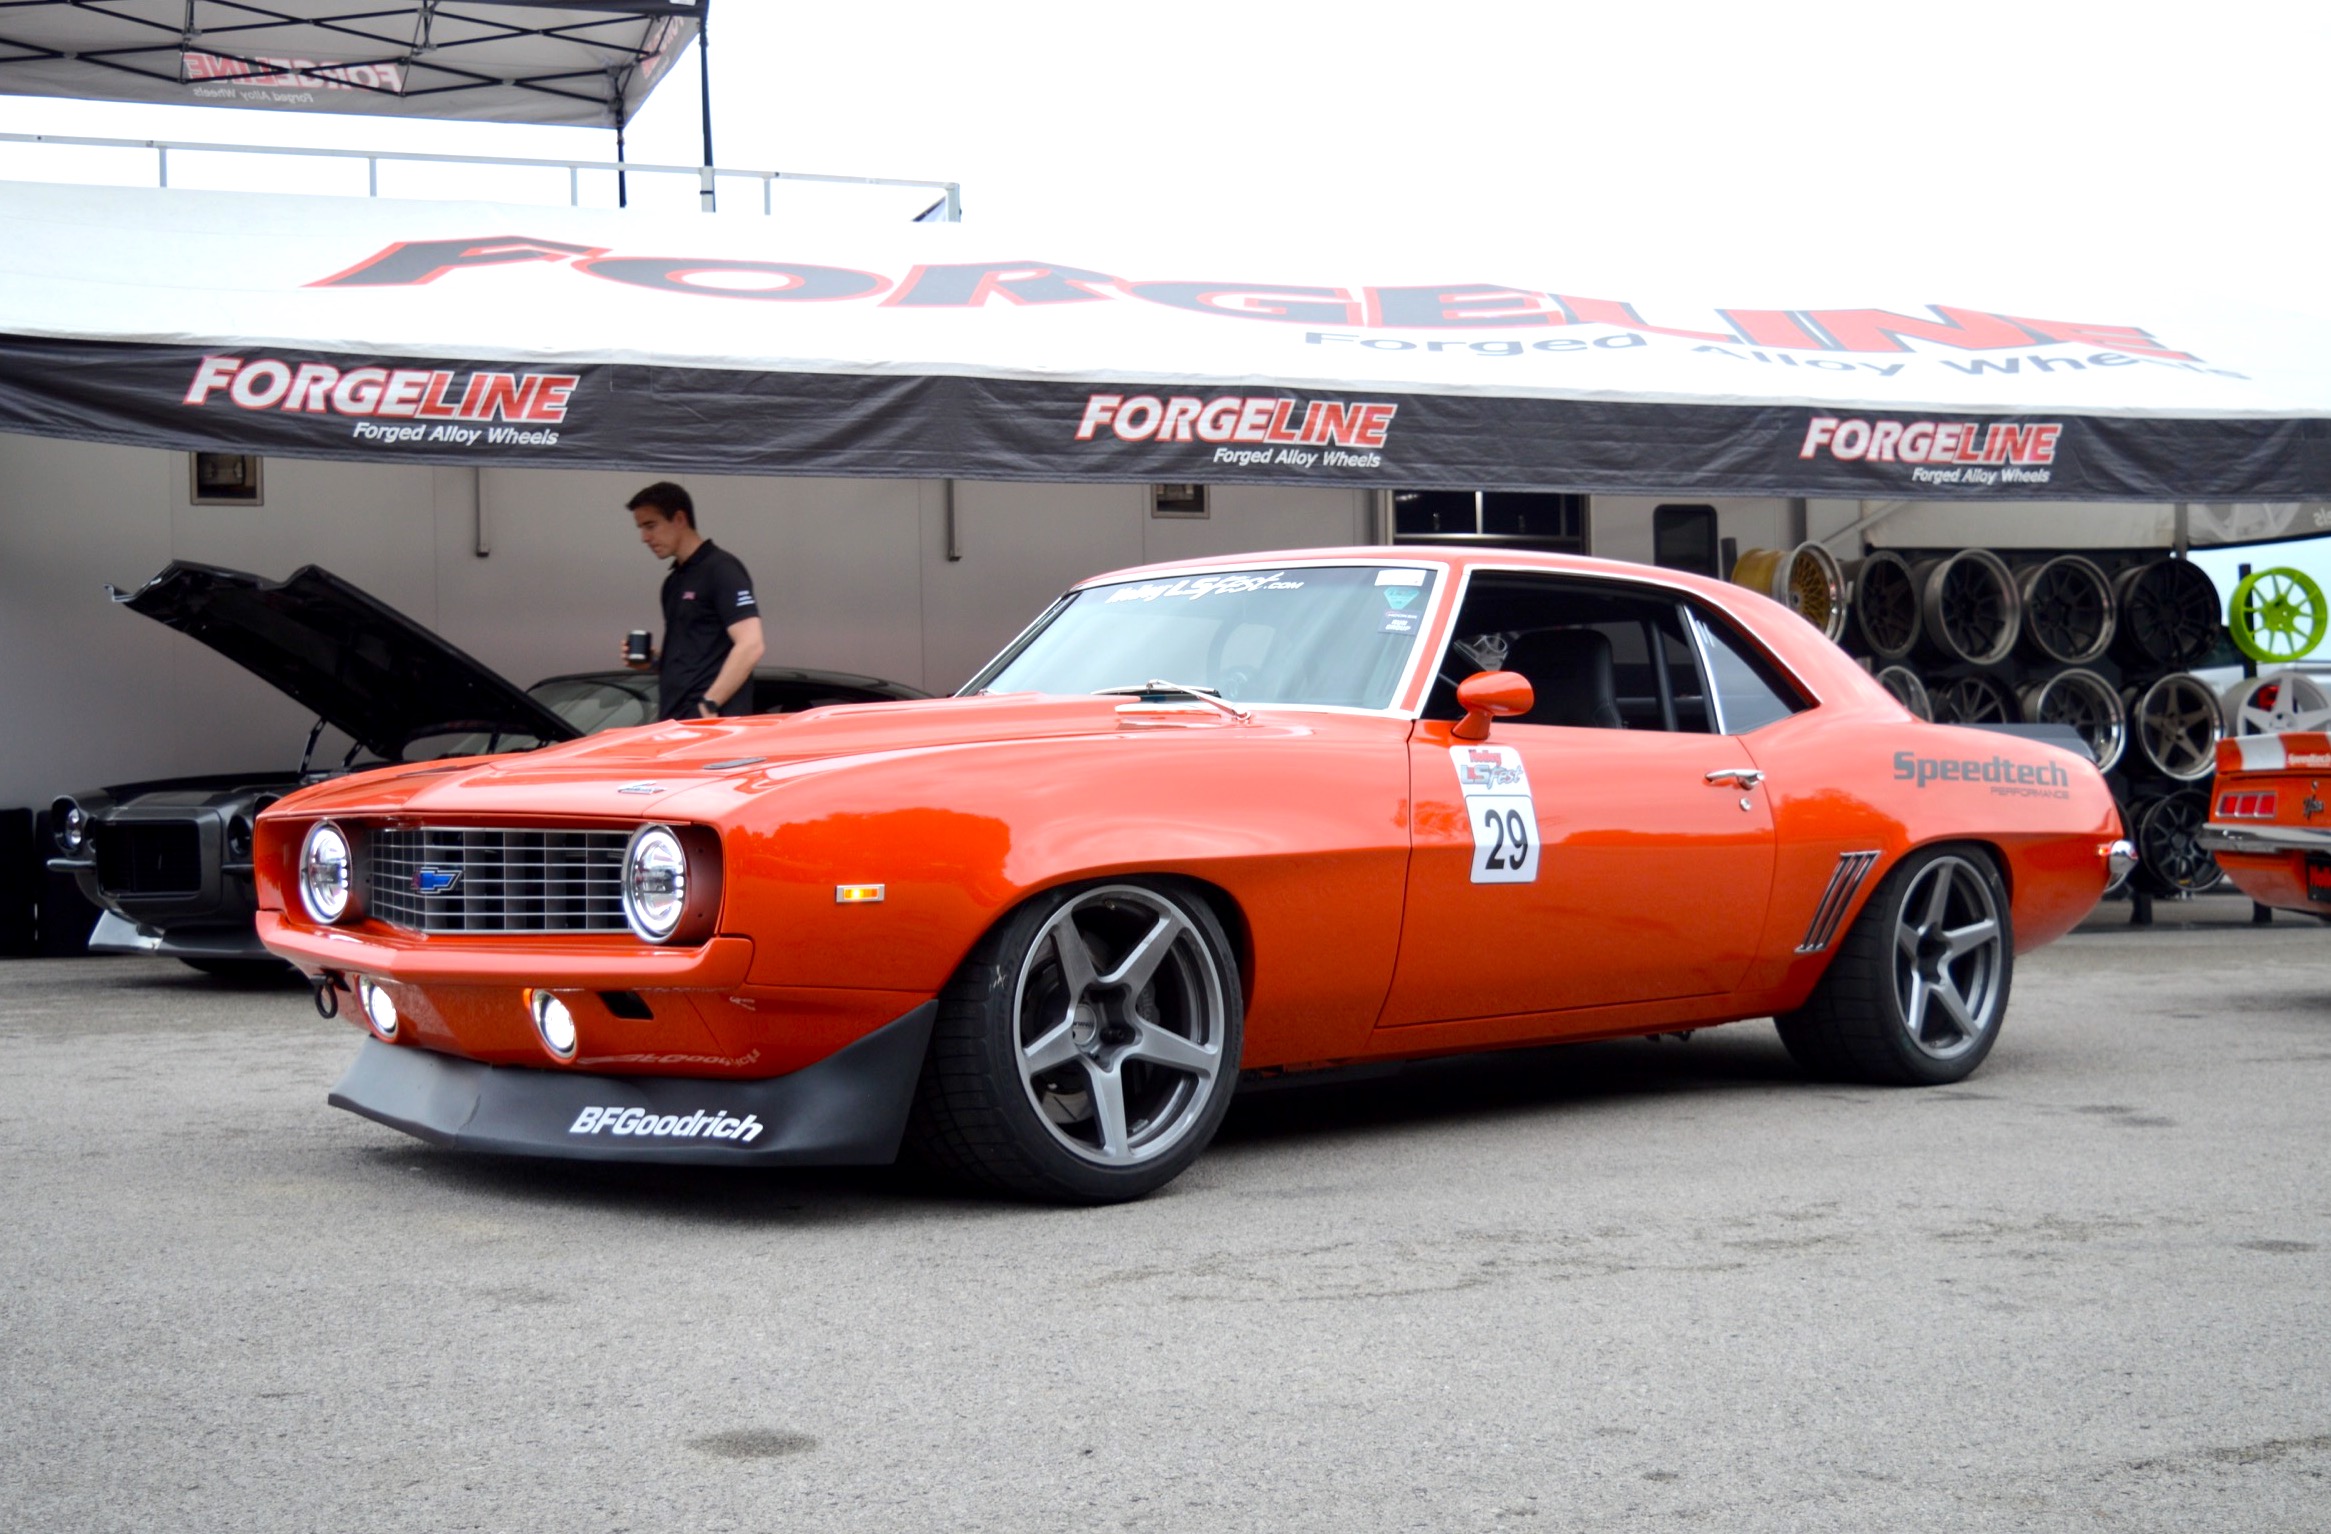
(2003,774)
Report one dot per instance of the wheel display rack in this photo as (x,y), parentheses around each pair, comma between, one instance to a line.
(2100,641)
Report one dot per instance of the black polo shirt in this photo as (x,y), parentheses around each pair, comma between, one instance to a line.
(704,594)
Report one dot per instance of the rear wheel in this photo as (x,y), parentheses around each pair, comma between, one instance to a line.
(1918,990)
(1086,1051)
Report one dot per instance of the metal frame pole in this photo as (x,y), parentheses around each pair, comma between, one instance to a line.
(704,190)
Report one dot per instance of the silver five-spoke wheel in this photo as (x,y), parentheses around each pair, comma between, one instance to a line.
(1917,989)
(1087,1050)
(1948,946)
(1122,1014)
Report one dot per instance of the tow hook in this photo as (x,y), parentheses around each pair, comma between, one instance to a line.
(324,989)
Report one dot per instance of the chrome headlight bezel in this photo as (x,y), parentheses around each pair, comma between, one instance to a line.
(69,824)
(317,884)
(554,1024)
(655,883)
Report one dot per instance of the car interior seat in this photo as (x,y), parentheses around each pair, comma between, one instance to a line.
(1570,671)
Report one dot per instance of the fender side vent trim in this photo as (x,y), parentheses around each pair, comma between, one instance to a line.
(1852,869)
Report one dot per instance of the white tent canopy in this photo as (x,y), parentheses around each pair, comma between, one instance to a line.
(565,338)
(586,64)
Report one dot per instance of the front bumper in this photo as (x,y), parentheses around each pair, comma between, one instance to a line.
(592,963)
(848,1109)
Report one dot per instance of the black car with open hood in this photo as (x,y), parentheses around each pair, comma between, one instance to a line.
(357,663)
(168,863)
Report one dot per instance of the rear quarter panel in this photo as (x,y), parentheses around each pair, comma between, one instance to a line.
(1859,781)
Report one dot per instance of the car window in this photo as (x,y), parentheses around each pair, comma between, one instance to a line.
(1750,693)
(592,704)
(1333,635)
(1598,654)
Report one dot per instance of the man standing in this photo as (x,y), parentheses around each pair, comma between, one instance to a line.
(712,626)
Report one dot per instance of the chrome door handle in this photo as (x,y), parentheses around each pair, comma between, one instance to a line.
(1738,777)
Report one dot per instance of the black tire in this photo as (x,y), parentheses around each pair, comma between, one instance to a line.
(1858,1023)
(1087,1080)
(244,971)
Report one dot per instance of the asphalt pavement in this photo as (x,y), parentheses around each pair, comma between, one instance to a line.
(1641,1285)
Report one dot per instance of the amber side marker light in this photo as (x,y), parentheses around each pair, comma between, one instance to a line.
(857,894)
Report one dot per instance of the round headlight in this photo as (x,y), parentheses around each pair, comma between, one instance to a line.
(556,1025)
(70,822)
(327,872)
(380,1009)
(655,883)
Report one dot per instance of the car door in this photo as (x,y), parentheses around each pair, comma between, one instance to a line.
(1612,846)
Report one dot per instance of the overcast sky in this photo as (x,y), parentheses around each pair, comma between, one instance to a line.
(1826,151)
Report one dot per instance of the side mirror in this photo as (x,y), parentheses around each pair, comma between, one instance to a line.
(1487,695)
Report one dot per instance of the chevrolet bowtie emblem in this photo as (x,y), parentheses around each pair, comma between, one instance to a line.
(436,881)
(2312,806)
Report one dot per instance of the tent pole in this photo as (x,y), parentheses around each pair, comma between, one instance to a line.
(704,90)
(622,180)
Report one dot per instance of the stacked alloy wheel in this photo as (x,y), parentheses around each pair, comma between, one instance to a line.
(2101,643)
(1806,579)
(2275,704)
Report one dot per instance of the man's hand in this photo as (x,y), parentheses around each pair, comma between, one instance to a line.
(705,710)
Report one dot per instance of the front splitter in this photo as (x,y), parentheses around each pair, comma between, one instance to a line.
(848,1109)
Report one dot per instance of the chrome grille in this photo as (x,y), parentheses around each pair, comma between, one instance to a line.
(465,879)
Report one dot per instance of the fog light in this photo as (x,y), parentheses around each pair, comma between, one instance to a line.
(380,1009)
(554,1022)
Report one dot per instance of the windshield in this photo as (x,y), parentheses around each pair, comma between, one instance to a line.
(589,703)
(595,703)
(1338,635)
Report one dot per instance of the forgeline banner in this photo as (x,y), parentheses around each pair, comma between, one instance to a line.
(562,338)
(679,419)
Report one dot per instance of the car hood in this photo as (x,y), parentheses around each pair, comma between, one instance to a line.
(365,668)
(643,770)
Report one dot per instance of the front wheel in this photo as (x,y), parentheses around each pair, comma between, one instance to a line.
(1087,1050)
(1918,990)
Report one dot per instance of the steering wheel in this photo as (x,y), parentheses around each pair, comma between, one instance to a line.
(1234,682)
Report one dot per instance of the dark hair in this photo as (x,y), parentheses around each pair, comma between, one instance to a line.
(668,499)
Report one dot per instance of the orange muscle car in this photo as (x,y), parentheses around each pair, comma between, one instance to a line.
(2267,827)
(1256,815)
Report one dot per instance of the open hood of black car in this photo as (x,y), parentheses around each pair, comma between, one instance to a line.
(367,669)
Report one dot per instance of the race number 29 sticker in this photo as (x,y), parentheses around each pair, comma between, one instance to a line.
(1505,819)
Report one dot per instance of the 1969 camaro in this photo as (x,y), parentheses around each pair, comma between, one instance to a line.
(1199,822)
(2266,825)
